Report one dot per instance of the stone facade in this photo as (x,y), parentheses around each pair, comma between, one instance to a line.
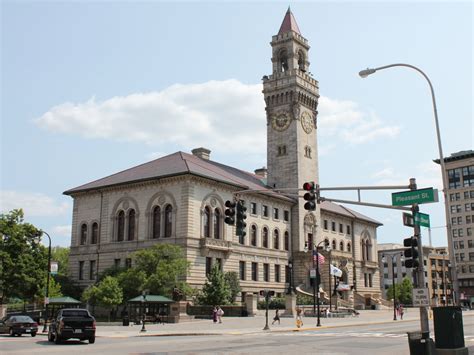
(180,199)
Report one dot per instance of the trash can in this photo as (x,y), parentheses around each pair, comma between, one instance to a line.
(419,343)
(448,327)
(125,321)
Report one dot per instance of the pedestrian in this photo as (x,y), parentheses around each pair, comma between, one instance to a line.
(220,313)
(214,315)
(277,317)
(401,311)
(299,319)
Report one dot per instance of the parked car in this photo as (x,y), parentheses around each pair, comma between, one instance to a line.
(18,325)
(72,323)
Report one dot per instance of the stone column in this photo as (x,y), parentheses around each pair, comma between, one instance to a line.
(251,304)
(290,306)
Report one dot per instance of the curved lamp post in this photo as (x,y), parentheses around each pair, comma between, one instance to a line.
(46,315)
(393,280)
(365,73)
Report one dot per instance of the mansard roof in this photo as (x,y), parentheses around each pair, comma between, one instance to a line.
(180,163)
(289,23)
(345,211)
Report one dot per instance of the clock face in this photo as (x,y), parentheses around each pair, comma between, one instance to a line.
(307,122)
(280,121)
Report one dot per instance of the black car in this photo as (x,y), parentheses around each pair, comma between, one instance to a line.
(18,325)
(72,323)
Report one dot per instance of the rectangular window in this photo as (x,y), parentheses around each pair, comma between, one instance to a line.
(469,232)
(461,244)
(454,178)
(468,219)
(471,256)
(348,229)
(254,272)
(454,221)
(341,228)
(117,263)
(370,280)
(265,211)
(461,256)
(461,232)
(365,280)
(455,233)
(91,269)
(326,224)
(470,243)
(253,207)
(468,175)
(277,273)
(286,216)
(276,213)
(466,195)
(128,263)
(467,207)
(81,270)
(219,263)
(333,226)
(266,272)
(471,268)
(208,265)
(451,197)
(242,270)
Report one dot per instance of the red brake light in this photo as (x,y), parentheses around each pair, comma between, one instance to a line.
(93,325)
(35,324)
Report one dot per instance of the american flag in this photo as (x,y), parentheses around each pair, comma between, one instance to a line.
(319,258)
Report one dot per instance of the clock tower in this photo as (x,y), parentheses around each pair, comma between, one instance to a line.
(291,97)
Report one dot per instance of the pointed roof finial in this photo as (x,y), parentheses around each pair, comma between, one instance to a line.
(289,23)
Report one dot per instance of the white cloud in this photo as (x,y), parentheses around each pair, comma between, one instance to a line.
(62,231)
(206,114)
(384,173)
(33,204)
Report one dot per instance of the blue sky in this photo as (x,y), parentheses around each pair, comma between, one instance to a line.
(91,88)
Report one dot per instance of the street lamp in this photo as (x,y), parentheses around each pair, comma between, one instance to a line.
(365,73)
(46,315)
(290,276)
(393,280)
(315,256)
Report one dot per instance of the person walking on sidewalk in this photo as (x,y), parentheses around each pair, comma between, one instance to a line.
(400,308)
(220,313)
(277,317)
(299,319)
(214,315)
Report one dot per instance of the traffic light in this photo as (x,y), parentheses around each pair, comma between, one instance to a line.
(241,217)
(310,196)
(411,252)
(230,213)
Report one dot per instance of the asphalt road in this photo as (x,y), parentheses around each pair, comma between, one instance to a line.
(388,338)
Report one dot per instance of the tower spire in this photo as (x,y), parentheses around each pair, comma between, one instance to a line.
(289,23)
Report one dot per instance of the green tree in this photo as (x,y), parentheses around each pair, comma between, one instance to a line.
(108,293)
(54,288)
(131,281)
(216,290)
(403,291)
(232,279)
(164,267)
(24,259)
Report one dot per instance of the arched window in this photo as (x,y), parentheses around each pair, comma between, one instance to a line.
(131,225)
(84,234)
(276,239)
(283,61)
(367,249)
(207,222)
(265,237)
(287,241)
(334,244)
(326,242)
(156,222)
(301,61)
(253,235)
(168,221)
(217,223)
(349,247)
(120,226)
(341,246)
(95,233)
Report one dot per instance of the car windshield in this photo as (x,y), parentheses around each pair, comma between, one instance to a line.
(75,313)
(22,319)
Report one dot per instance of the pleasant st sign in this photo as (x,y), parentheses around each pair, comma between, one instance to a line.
(411,197)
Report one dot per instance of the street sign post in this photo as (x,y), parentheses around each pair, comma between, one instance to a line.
(421,297)
(422,219)
(411,197)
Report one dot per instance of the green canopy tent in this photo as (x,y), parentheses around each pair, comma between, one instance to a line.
(155,307)
(57,303)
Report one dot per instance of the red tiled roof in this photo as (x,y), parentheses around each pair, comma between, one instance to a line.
(289,24)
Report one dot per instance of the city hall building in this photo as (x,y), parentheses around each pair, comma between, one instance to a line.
(180,198)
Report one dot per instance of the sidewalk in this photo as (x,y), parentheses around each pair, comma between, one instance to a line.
(252,325)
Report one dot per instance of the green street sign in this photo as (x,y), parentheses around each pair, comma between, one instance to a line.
(422,219)
(411,197)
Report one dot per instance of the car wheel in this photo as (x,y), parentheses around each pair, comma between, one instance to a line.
(92,340)
(57,339)
(11,332)
(33,334)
